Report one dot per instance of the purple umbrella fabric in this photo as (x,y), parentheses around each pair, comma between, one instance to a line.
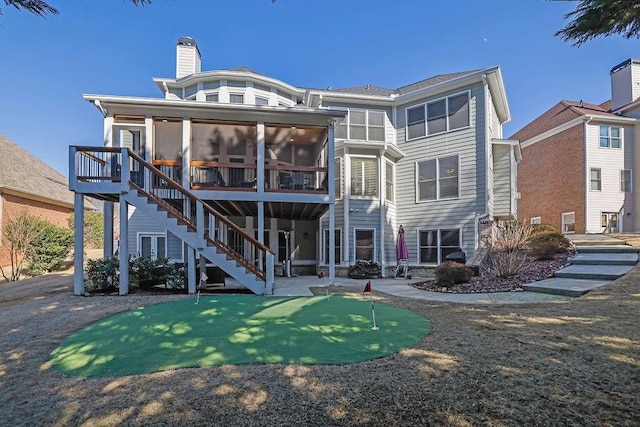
(401,248)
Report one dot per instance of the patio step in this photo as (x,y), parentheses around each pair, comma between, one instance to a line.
(566,287)
(609,258)
(607,249)
(593,272)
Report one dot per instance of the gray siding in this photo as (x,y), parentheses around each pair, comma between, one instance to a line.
(469,144)
(502,185)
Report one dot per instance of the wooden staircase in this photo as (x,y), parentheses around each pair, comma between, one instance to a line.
(119,175)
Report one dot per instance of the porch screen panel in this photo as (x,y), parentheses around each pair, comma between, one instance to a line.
(167,139)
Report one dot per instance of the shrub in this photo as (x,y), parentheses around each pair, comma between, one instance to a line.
(544,251)
(452,273)
(560,242)
(542,229)
(510,236)
(93,229)
(102,274)
(504,263)
(50,248)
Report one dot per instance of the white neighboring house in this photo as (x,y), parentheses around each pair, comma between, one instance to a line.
(314,179)
(579,161)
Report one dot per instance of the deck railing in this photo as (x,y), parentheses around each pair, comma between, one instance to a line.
(104,164)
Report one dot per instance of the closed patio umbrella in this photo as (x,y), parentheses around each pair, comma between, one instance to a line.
(401,248)
(402,253)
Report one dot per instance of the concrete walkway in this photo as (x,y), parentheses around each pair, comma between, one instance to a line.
(600,259)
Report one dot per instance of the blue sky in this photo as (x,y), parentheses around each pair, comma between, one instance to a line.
(112,47)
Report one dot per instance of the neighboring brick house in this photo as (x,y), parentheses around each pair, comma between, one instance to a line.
(27,183)
(579,158)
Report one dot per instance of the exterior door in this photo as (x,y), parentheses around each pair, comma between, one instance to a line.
(610,222)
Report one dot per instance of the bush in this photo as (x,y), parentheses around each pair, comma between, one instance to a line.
(505,263)
(93,229)
(510,236)
(544,251)
(557,240)
(452,273)
(50,248)
(104,274)
(542,229)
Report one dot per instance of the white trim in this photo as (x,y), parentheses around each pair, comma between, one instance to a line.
(535,220)
(563,223)
(446,115)
(364,156)
(417,179)
(438,246)
(154,242)
(574,122)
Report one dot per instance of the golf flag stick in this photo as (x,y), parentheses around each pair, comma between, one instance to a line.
(367,288)
(326,287)
(203,279)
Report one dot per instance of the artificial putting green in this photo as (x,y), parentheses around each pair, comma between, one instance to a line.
(238,329)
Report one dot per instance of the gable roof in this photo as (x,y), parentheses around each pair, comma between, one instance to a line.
(561,113)
(22,172)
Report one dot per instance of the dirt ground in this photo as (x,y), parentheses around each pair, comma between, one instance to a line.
(574,363)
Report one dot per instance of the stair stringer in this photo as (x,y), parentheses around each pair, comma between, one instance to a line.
(212,253)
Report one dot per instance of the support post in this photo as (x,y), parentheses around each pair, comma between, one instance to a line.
(78,244)
(107,227)
(191,270)
(124,247)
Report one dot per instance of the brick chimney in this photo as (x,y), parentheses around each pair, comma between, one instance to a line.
(625,83)
(187,57)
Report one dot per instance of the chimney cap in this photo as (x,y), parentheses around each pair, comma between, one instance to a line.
(624,64)
(188,41)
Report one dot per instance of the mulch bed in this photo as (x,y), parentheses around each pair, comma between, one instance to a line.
(534,271)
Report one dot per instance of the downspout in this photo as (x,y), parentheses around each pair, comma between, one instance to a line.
(485,87)
(586,172)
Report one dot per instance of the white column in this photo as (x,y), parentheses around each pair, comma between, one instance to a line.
(383,195)
(191,270)
(78,244)
(261,229)
(260,157)
(186,153)
(124,247)
(331,165)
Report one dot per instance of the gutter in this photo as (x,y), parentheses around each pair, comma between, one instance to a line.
(485,86)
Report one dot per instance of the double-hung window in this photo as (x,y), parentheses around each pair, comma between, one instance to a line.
(596,179)
(364,176)
(610,137)
(389,182)
(362,125)
(438,179)
(236,98)
(438,116)
(435,245)
(625,181)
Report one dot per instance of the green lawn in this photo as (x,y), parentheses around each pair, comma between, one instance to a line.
(238,329)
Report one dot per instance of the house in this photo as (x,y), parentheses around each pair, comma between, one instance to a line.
(577,171)
(281,179)
(28,184)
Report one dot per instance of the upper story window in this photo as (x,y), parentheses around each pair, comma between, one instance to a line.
(439,116)
(363,125)
(212,97)
(364,176)
(625,181)
(190,92)
(236,98)
(261,100)
(596,179)
(390,182)
(437,179)
(610,137)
